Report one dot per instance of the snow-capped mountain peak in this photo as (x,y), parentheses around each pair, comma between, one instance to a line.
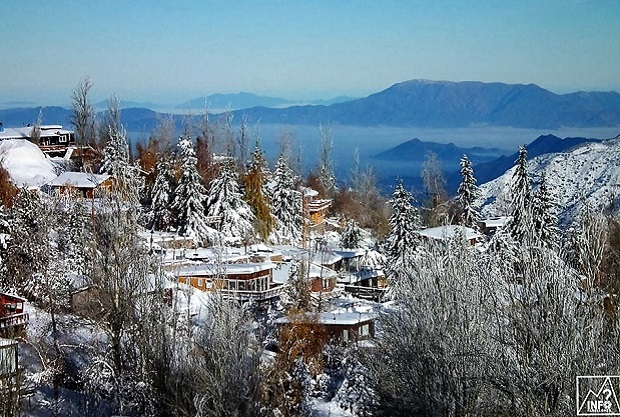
(587,173)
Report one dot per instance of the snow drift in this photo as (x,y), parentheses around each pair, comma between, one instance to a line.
(25,162)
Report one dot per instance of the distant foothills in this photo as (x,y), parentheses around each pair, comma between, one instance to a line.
(415,103)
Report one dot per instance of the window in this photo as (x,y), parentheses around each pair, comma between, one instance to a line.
(345,335)
(62,138)
(201,282)
(365,330)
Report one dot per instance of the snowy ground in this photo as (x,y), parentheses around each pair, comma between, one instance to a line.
(321,408)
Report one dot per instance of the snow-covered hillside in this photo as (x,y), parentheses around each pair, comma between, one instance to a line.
(590,172)
(25,162)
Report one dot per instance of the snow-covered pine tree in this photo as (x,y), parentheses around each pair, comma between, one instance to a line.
(468,192)
(351,236)
(521,224)
(404,221)
(545,220)
(357,393)
(255,180)
(234,217)
(190,195)
(161,216)
(74,234)
(116,152)
(116,161)
(27,251)
(286,205)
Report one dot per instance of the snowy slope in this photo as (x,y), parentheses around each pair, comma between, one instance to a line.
(25,162)
(590,172)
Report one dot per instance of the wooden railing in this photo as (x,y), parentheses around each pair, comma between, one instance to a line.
(368,293)
(20,319)
(243,295)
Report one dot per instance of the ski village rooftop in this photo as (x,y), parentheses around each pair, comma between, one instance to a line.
(347,291)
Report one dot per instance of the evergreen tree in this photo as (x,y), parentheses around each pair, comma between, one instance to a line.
(27,251)
(286,205)
(521,224)
(74,234)
(161,216)
(225,202)
(115,154)
(545,221)
(351,235)
(404,221)
(357,393)
(116,161)
(468,192)
(190,195)
(255,194)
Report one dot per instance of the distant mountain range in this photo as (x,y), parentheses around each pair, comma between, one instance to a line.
(458,104)
(419,103)
(219,102)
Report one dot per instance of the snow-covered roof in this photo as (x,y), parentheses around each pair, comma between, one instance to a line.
(223,254)
(25,162)
(317,205)
(319,271)
(26,132)
(16,297)
(365,272)
(351,253)
(342,316)
(339,318)
(449,232)
(495,222)
(309,192)
(282,271)
(78,179)
(326,257)
(213,269)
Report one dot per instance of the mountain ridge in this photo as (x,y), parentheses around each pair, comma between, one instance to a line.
(423,103)
(437,104)
(587,173)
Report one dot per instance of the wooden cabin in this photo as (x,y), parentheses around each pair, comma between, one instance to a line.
(244,282)
(322,279)
(53,140)
(315,210)
(86,185)
(346,326)
(13,319)
(491,225)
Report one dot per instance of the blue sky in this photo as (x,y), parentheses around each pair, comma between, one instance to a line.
(171,51)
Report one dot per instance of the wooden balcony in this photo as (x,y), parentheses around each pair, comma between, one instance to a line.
(14,320)
(242,295)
